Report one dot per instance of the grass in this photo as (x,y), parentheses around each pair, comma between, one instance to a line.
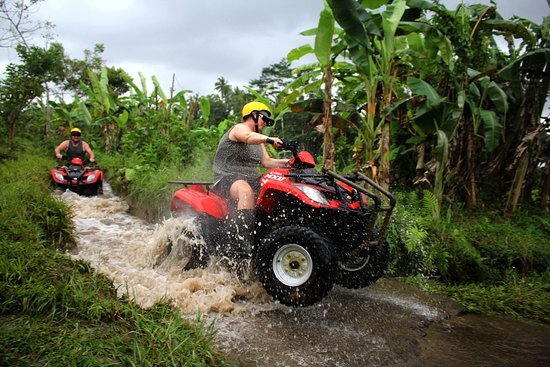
(522,297)
(57,312)
(485,262)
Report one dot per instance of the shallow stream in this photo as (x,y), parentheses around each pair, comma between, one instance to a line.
(387,324)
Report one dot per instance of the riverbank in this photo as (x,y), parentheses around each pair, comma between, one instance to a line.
(55,311)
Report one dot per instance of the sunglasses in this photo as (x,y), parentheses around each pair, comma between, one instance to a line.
(265,116)
(75,134)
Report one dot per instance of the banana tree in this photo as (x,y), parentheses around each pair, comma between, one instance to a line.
(373,52)
(315,76)
(101,108)
(486,116)
(531,70)
(323,52)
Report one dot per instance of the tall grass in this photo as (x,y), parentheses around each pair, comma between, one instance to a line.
(58,312)
(146,187)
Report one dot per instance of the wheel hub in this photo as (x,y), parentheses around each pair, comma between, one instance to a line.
(292,265)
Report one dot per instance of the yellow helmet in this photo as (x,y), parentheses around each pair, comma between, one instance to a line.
(76,130)
(254,106)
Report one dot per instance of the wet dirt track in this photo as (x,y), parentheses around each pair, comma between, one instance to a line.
(379,326)
(387,324)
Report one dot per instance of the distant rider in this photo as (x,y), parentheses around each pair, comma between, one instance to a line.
(75,148)
(240,151)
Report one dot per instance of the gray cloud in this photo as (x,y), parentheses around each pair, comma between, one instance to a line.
(200,41)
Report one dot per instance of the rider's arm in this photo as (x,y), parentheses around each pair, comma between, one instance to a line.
(269,162)
(60,147)
(243,134)
(88,150)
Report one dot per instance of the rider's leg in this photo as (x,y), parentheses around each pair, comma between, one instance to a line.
(245,219)
(242,192)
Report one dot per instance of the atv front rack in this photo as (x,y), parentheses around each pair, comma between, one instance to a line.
(378,208)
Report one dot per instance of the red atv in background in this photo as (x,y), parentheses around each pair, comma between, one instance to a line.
(82,179)
(312,229)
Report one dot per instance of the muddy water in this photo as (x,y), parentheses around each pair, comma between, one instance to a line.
(388,324)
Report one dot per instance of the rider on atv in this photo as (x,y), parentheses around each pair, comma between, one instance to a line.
(240,151)
(75,148)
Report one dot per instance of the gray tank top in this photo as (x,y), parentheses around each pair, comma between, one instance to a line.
(237,159)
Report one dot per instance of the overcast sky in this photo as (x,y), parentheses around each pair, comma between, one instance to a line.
(199,41)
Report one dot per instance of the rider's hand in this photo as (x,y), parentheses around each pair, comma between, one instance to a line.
(92,160)
(277,143)
(59,156)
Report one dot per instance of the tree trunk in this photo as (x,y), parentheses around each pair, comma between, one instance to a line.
(47,112)
(384,172)
(328,144)
(11,121)
(522,160)
(545,191)
(109,130)
(471,189)
(517,185)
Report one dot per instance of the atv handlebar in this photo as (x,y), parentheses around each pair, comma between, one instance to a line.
(293,146)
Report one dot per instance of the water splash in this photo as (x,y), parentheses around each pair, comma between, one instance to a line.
(144,260)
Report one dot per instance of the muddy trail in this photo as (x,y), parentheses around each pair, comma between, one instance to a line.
(387,324)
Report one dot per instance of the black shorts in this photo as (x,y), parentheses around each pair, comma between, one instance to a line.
(223,186)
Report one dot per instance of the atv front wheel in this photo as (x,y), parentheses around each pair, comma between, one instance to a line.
(295,265)
(363,268)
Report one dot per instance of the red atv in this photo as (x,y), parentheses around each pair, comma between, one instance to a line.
(312,229)
(77,177)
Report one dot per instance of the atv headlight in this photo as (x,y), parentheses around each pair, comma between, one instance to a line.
(90,178)
(59,176)
(313,194)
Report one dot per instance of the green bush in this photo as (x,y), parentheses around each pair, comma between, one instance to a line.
(146,187)
(463,246)
(28,213)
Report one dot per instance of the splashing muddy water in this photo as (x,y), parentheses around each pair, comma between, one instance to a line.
(135,255)
(387,324)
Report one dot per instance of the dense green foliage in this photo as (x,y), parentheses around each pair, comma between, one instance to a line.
(484,262)
(517,296)
(466,246)
(58,312)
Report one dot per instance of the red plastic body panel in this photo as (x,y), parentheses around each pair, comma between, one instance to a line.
(200,200)
(77,161)
(274,182)
(307,158)
(98,177)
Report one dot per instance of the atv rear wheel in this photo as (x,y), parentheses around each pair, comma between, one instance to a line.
(295,265)
(363,268)
(188,250)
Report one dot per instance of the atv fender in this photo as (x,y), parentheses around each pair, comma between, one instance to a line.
(272,189)
(200,200)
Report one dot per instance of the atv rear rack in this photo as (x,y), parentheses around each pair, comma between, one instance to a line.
(375,209)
